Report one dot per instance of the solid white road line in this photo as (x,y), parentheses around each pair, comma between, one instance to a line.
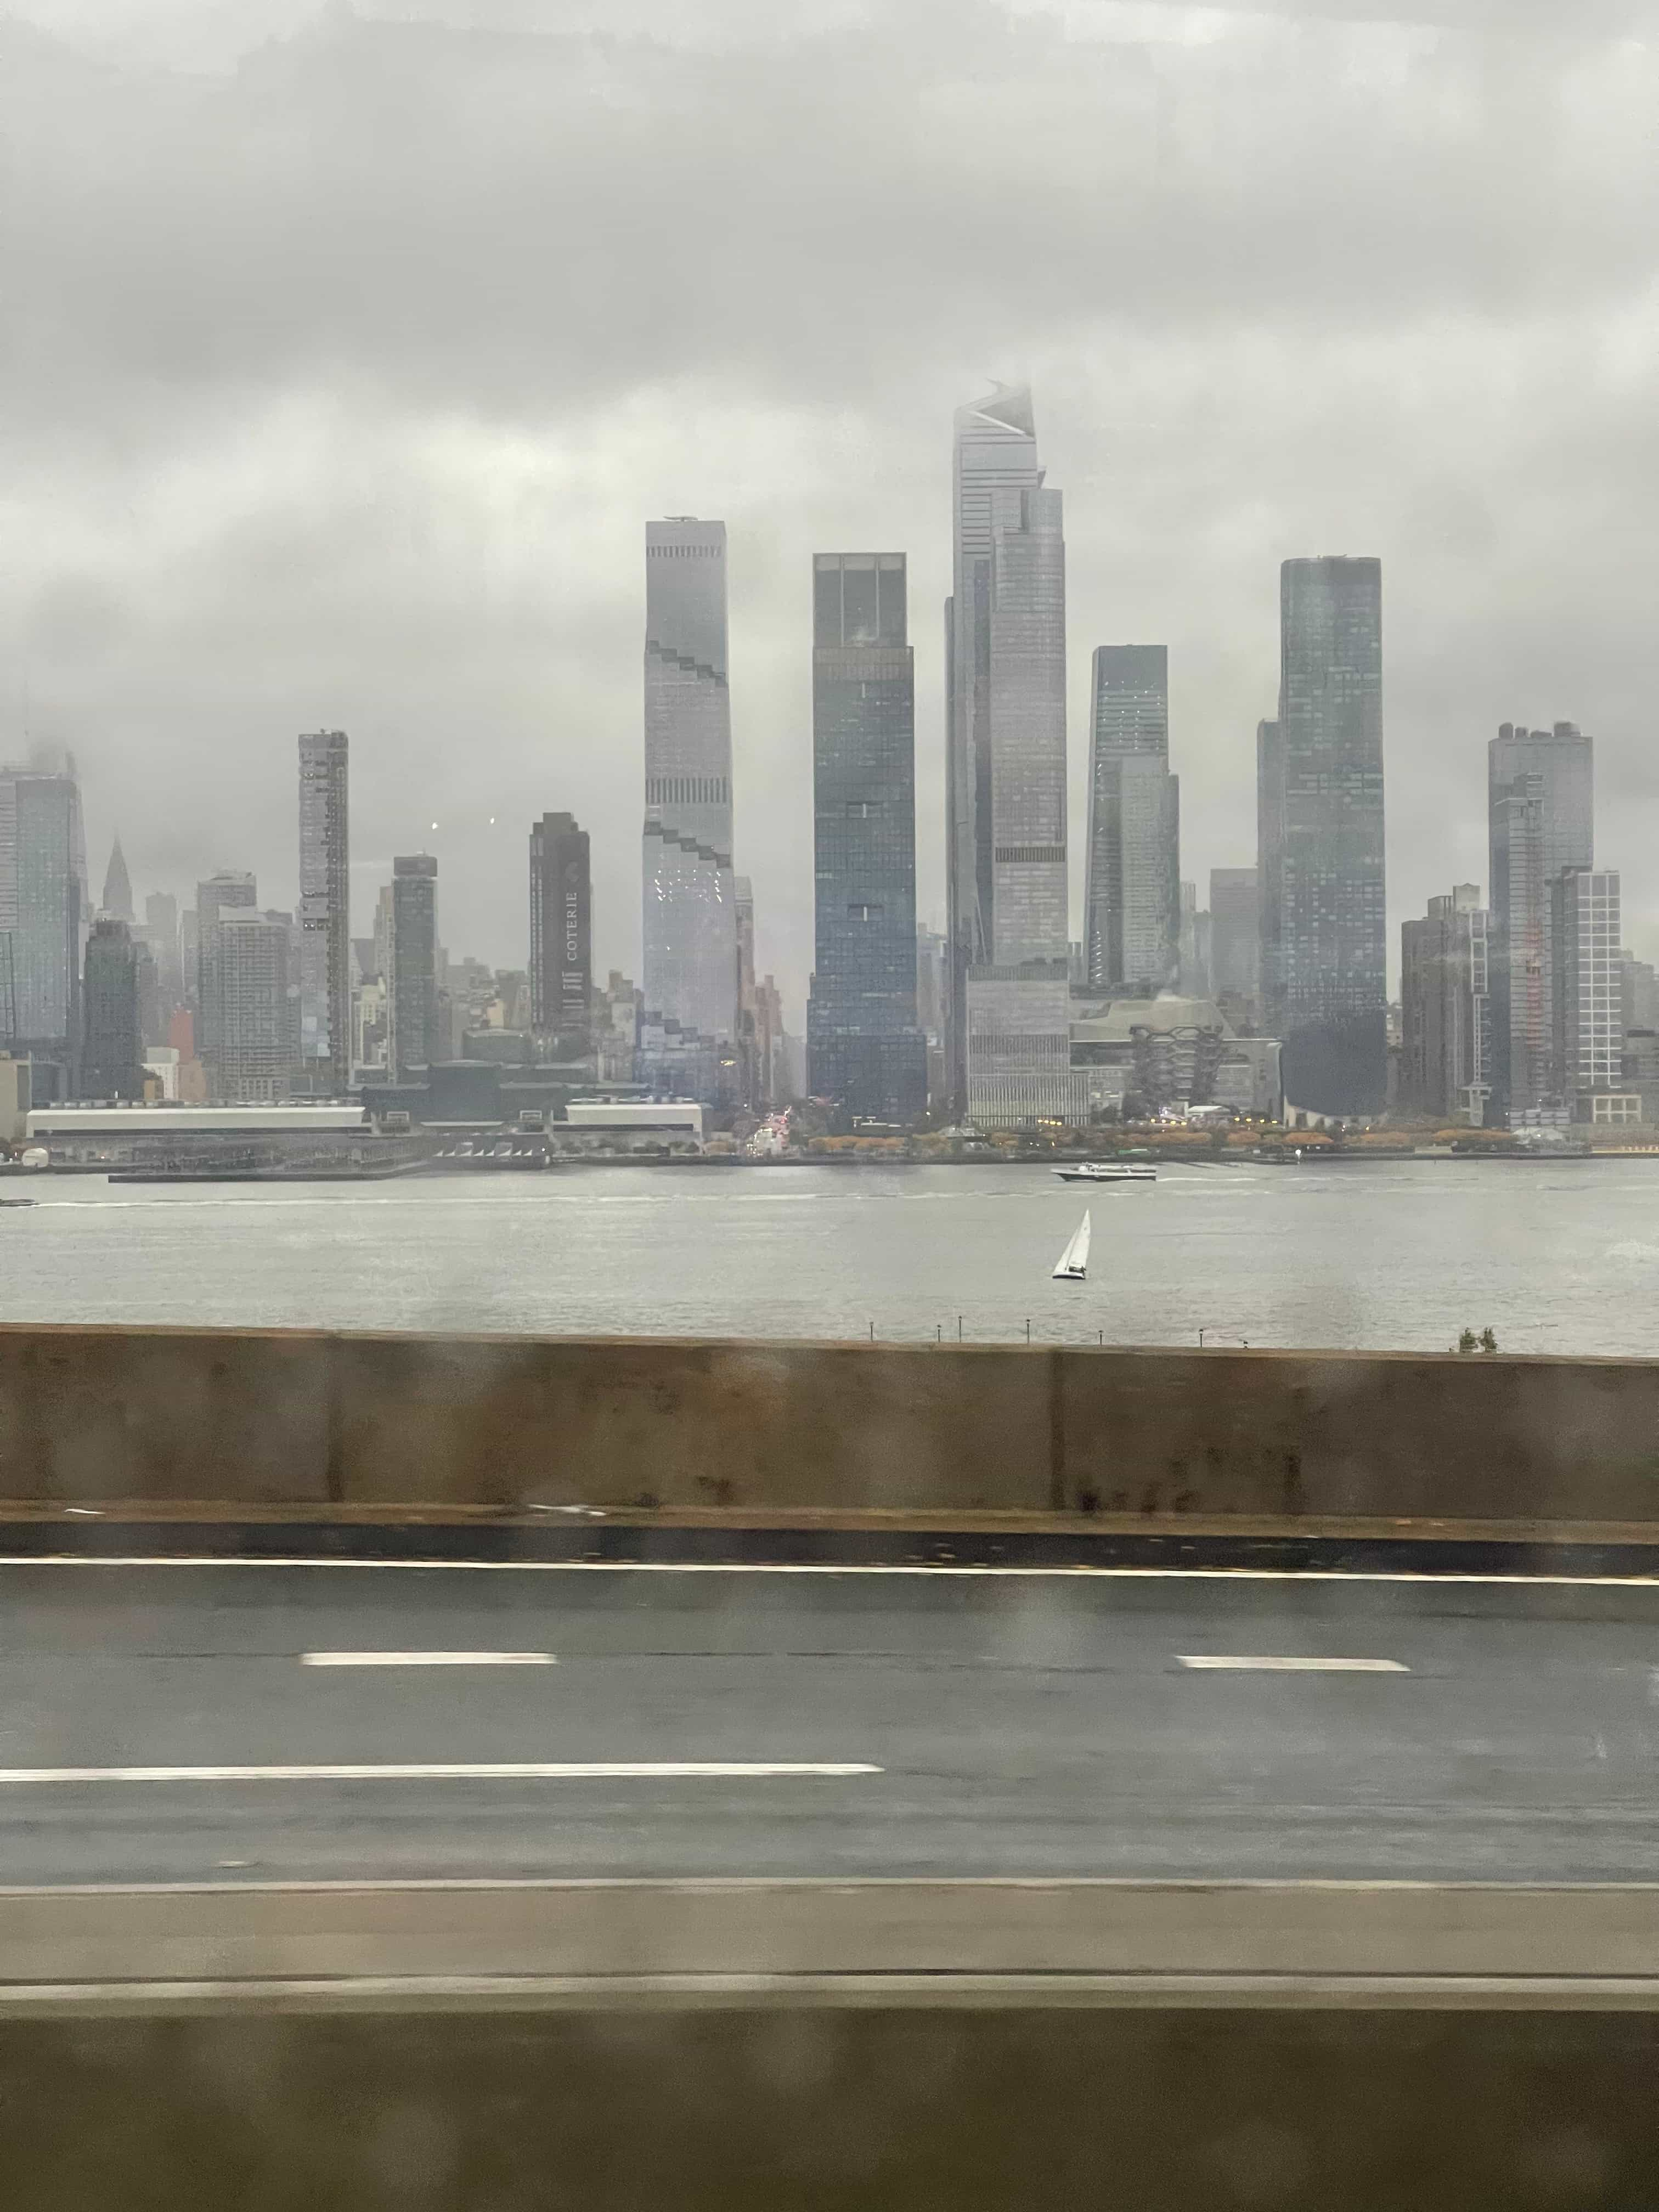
(753,1567)
(593,1770)
(428,1659)
(1262,1662)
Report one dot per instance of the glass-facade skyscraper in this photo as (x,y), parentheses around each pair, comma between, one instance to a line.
(325,910)
(1541,821)
(1132,907)
(864,1047)
(1324,934)
(43,918)
(691,933)
(112,1064)
(1018,988)
(995,454)
(1235,942)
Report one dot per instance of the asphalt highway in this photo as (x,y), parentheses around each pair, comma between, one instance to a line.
(215,1723)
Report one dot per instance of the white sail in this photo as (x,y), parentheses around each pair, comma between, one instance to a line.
(1073,1262)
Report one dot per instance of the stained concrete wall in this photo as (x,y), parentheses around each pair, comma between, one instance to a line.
(734,2110)
(296,1418)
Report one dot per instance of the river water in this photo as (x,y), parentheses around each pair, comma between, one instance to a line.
(1563,1257)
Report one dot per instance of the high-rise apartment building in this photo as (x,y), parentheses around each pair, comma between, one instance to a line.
(412,965)
(1132,912)
(995,457)
(1590,1016)
(690,972)
(231,892)
(561,934)
(1541,819)
(1324,953)
(325,910)
(864,1045)
(1235,945)
(111,1061)
(258,1050)
(1445,1010)
(117,885)
(42,921)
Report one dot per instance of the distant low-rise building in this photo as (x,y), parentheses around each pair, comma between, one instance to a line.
(241,1138)
(1144,1056)
(629,1125)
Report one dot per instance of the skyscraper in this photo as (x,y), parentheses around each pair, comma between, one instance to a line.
(1445,1009)
(325,910)
(864,1047)
(412,995)
(995,455)
(691,973)
(112,1061)
(1132,912)
(162,936)
(1235,942)
(118,884)
(258,1007)
(1589,997)
(42,919)
(1324,952)
(561,933)
(231,892)
(1540,787)
(1018,989)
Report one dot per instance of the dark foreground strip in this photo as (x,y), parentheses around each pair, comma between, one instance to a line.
(584,1541)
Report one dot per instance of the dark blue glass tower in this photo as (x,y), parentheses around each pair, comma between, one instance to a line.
(864,1047)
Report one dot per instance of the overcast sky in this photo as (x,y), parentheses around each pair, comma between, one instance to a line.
(347,348)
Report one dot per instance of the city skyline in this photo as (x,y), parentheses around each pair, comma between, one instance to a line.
(216,547)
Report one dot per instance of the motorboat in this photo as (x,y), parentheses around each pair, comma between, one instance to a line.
(1072,1264)
(1108,1172)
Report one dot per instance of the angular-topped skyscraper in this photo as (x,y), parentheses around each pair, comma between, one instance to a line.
(996,452)
(691,935)
(118,884)
(1007,886)
(1324,949)
(1132,907)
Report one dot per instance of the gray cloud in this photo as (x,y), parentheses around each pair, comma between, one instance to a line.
(344,367)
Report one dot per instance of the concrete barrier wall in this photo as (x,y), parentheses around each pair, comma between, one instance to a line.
(748,2074)
(733,2109)
(293,1418)
(859,1941)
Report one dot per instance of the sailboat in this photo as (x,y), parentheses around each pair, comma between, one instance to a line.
(1073,1262)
